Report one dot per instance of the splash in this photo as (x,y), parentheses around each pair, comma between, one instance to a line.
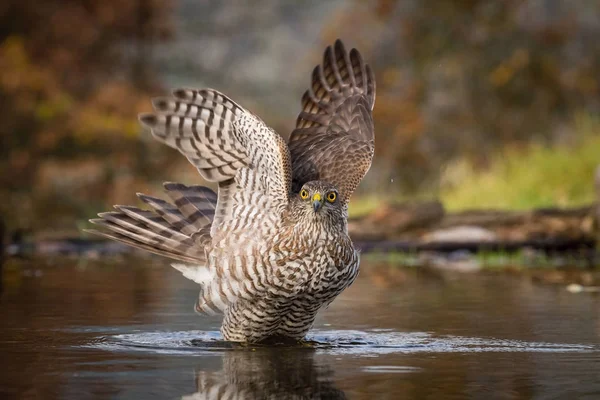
(367,343)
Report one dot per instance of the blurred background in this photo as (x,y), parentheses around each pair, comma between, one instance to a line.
(480,103)
(487,125)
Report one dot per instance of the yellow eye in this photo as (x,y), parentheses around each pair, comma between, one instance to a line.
(331,196)
(304,194)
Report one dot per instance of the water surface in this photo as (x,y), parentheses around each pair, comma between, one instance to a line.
(127,330)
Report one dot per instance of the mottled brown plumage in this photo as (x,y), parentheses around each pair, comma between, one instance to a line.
(273,247)
(334,136)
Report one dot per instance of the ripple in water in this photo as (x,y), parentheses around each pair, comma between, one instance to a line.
(331,342)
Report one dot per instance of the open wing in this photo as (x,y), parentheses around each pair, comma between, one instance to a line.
(178,231)
(334,136)
(231,146)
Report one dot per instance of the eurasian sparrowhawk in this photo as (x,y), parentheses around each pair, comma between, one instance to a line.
(272,248)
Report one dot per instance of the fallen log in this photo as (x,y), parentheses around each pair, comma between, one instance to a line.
(547,246)
(544,228)
(414,227)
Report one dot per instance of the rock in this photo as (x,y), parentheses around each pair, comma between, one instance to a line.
(456,261)
(577,288)
(461,234)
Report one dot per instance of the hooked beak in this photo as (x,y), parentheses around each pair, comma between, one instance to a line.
(317,202)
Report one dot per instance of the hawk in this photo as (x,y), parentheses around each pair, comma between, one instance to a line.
(272,248)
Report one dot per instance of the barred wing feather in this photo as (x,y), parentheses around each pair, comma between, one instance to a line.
(228,145)
(334,136)
(170,230)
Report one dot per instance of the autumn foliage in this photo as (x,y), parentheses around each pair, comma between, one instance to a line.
(455,80)
(74,75)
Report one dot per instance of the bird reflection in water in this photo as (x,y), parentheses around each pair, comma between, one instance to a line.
(267,373)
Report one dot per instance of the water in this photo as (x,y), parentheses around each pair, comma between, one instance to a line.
(127,330)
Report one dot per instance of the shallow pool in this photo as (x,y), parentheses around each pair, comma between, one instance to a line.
(73,329)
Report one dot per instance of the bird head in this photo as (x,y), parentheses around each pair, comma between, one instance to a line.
(319,200)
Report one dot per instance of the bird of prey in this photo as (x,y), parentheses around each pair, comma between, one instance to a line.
(272,248)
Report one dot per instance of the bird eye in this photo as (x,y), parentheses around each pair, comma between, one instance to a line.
(304,194)
(331,196)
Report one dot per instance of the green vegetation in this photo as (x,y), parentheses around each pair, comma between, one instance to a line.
(361,205)
(497,260)
(397,258)
(536,176)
